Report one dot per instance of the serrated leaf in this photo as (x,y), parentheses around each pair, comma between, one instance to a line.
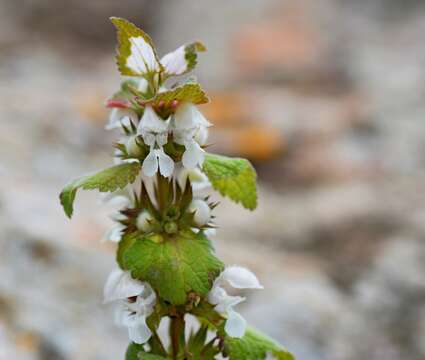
(190,92)
(232,177)
(182,60)
(107,180)
(174,267)
(255,346)
(136,352)
(136,54)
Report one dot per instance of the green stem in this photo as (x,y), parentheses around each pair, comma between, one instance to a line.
(162,189)
(177,335)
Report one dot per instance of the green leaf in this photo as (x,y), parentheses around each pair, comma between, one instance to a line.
(134,43)
(190,92)
(232,177)
(136,352)
(107,180)
(174,266)
(254,346)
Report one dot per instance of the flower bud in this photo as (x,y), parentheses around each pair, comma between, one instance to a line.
(171,227)
(144,221)
(201,210)
(132,147)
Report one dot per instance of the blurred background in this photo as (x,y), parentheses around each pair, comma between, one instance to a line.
(325,97)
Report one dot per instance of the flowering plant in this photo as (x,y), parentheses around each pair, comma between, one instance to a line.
(167,266)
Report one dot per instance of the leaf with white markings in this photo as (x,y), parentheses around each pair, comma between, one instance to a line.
(107,180)
(136,55)
(182,60)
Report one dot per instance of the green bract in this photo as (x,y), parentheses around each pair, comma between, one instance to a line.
(136,352)
(108,180)
(174,265)
(254,346)
(189,92)
(232,177)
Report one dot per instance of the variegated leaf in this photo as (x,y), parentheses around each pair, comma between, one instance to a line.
(136,55)
(182,60)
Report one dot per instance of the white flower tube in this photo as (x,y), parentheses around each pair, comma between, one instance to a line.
(119,117)
(238,278)
(197,178)
(201,210)
(144,221)
(114,234)
(188,127)
(137,300)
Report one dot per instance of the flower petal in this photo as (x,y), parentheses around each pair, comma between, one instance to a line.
(188,116)
(151,122)
(239,278)
(193,156)
(150,164)
(120,285)
(120,117)
(210,232)
(235,325)
(114,234)
(138,331)
(198,179)
(201,136)
(201,210)
(166,163)
(227,302)
(119,199)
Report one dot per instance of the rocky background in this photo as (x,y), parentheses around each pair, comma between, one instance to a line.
(326,98)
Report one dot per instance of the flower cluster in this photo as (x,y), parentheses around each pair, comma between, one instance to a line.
(137,300)
(187,127)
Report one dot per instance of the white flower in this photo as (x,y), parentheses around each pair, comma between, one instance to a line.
(187,116)
(137,300)
(119,117)
(188,122)
(154,131)
(142,56)
(197,178)
(238,278)
(201,210)
(144,221)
